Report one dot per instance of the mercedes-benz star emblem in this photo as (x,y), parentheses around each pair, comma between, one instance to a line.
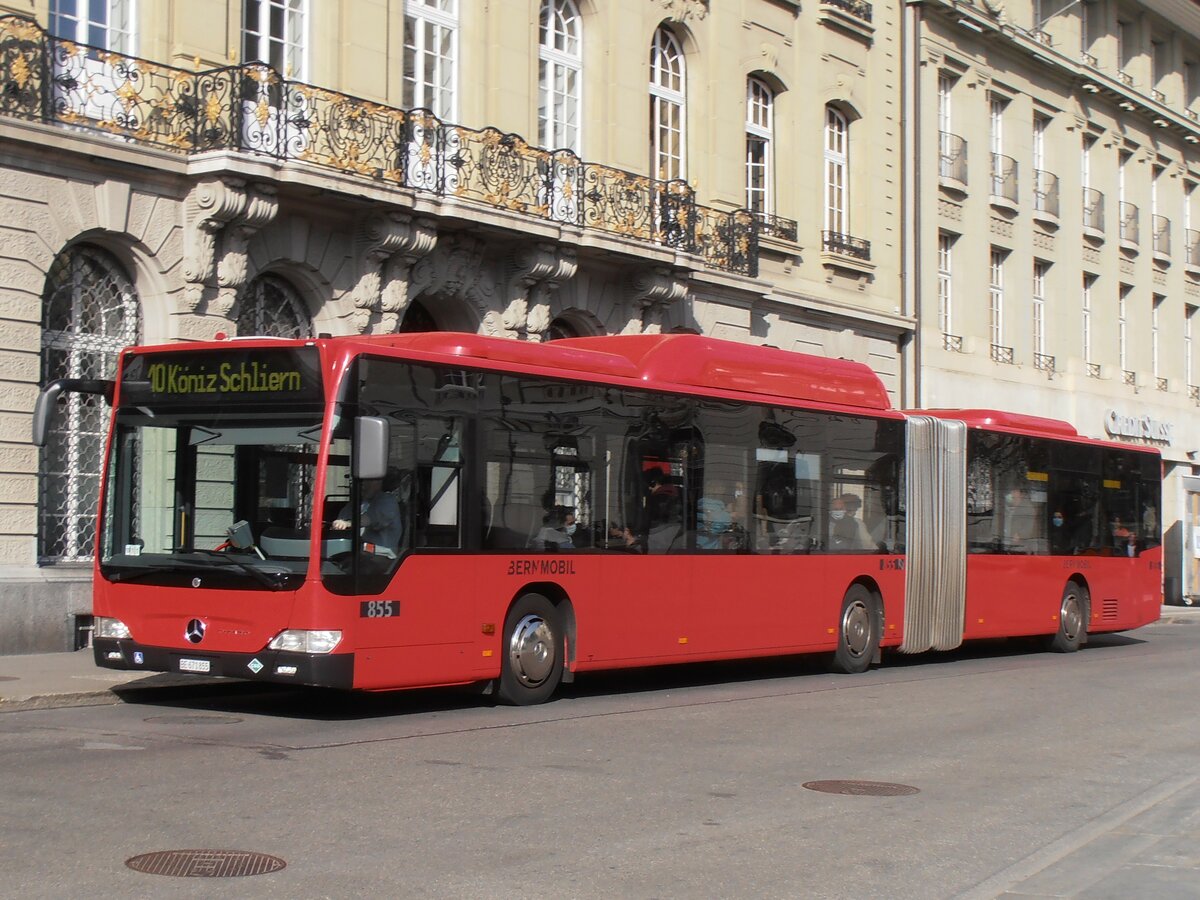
(195,582)
(195,631)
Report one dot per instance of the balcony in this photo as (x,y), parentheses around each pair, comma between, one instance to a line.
(1093,214)
(850,16)
(952,162)
(1194,392)
(1129,378)
(1160,227)
(846,245)
(1128,227)
(1093,370)
(1045,197)
(1044,363)
(1002,354)
(1162,384)
(776,227)
(952,342)
(1125,78)
(1004,182)
(1191,260)
(1088,60)
(252,110)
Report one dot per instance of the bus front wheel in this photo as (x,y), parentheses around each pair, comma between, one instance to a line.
(858,632)
(1072,619)
(532,654)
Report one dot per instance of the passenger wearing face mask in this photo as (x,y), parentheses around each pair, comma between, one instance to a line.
(1060,543)
(846,532)
(558,529)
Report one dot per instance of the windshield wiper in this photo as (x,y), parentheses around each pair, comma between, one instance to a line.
(276,583)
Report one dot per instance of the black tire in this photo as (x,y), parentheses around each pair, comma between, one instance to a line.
(531,662)
(1073,611)
(860,627)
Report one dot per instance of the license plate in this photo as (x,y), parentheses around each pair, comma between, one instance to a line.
(195,665)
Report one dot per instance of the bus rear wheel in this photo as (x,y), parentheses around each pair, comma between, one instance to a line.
(1072,619)
(532,654)
(858,632)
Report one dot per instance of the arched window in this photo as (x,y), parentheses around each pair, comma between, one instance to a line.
(668,104)
(272,307)
(561,328)
(837,167)
(760,129)
(417,319)
(560,64)
(89,312)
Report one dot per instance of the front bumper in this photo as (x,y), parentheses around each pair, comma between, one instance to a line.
(333,670)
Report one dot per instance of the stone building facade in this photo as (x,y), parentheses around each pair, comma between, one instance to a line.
(532,169)
(1056,270)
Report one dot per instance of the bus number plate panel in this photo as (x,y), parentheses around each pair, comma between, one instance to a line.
(379,609)
(195,665)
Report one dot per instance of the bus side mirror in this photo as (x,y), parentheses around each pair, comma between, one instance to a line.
(44,409)
(370,447)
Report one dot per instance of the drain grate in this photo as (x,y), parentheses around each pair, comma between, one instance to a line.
(194,720)
(205,863)
(862,788)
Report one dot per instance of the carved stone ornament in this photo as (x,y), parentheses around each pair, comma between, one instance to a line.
(651,291)
(682,10)
(537,270)
(386,246)
(221,215)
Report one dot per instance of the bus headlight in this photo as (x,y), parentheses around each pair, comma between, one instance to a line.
(297,641)
(104,627)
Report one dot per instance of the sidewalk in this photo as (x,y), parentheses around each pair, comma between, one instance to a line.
(51,680)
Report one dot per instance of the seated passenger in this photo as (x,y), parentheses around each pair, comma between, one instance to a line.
(846,532)
(558,529)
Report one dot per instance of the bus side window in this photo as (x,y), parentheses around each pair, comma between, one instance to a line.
(439,482)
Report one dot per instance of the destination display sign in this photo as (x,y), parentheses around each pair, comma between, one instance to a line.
(208,377)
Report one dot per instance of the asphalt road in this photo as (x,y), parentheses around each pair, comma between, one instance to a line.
(1036,774)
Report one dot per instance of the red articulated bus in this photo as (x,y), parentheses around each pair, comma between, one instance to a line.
(432,509)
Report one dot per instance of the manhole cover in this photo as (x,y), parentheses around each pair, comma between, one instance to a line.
(862,788)
(205,863)
(195,720)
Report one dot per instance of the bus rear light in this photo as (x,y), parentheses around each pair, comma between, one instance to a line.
(110,628)
(297,641)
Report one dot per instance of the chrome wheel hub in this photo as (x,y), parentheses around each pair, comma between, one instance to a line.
(856,628)
(531,651)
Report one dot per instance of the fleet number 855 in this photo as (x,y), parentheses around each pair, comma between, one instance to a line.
(379,609)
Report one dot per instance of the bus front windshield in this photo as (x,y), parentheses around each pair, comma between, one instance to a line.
(222,495)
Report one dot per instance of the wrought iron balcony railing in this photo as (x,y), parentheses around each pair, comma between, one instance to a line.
(1158,95)
(1162,384)
(1093,209)
(1126,78)
(1161,228)
(1129,222)
(1043,362)
(251,109)
(776,226)
(1129,377)
(1002,354)
(1088,60)
(860,9)
(952,342)
(1093,370)
(846,245)
(1194,392)
(1004,177)
(952,157)
(1192,239)
(1045,192)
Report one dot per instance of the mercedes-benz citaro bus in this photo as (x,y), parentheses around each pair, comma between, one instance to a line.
(396,511)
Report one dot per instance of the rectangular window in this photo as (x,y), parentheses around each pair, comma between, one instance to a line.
(759,130)
(430,56)
(1086,303)
(1123,326)
(1039,305)
(107,24)
(1189,322)
(275,32)
(1156,304)
(945,283)
(996,297)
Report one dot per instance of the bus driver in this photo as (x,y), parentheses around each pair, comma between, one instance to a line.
(380,522)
